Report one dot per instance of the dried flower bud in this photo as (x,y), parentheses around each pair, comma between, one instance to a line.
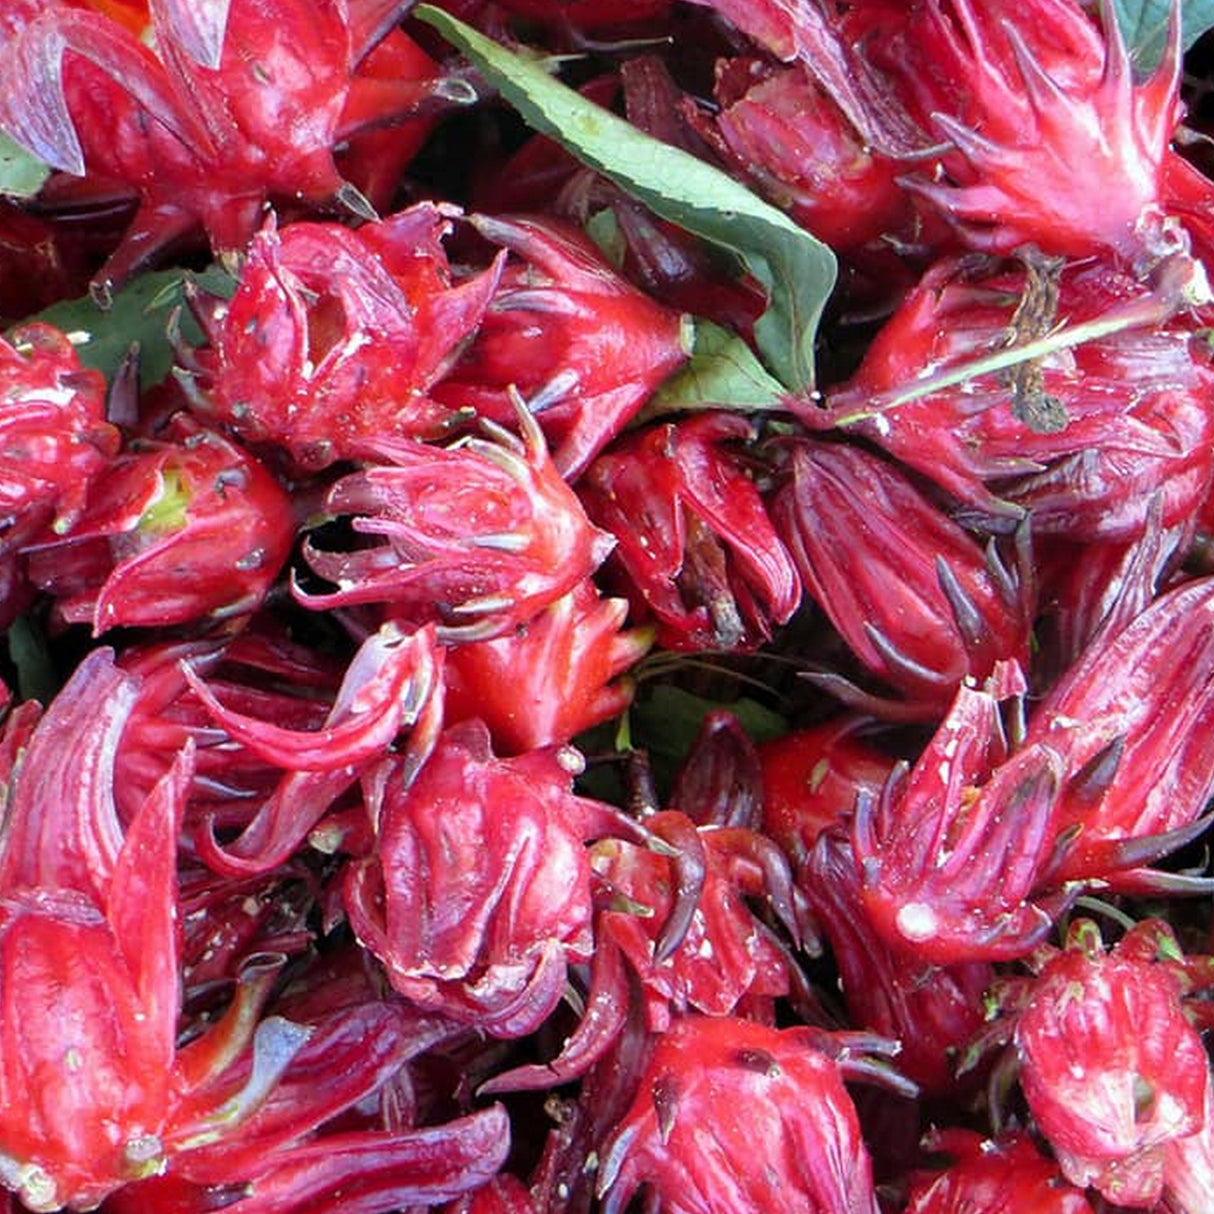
(693,537)
(1112,1070)
(798,1144)
(174,533)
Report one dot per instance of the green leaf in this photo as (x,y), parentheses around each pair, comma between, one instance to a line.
(140,315)
(667,719)
(1144,26)
(31,657)
(21,172)
(797,270)
(722,372)
(603,228)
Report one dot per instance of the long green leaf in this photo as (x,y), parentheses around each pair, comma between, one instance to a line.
(797,270)
(1144,26)
(21,172)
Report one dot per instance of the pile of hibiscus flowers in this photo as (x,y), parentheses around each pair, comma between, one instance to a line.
(607,606)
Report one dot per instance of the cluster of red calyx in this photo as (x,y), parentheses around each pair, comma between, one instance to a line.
(441,772)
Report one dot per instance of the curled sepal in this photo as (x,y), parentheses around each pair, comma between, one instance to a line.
(680,915)
(720,782)
(678,911)
(360,1172)
(280,825)
(602,1023)
(204,1060)
(386,689)
(675,932)
(275,1043)
(296,1078)
(255,672)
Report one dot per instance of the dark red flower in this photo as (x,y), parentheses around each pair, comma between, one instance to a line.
(952,854)
(195,130)
(997,98)
(583,347)
(91,1092)
(692,534)
(682,922)
(54,436)
(1132,720)
(675,932)
(734,1115)
(478,895)
(1059,439)
(100,1093)
(551,678)
(479,536)
(916,597)
(1030,93)
(334,337)
(775,125)
(992,1176)
(1112,1070)
(932,1010)
(173,532)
